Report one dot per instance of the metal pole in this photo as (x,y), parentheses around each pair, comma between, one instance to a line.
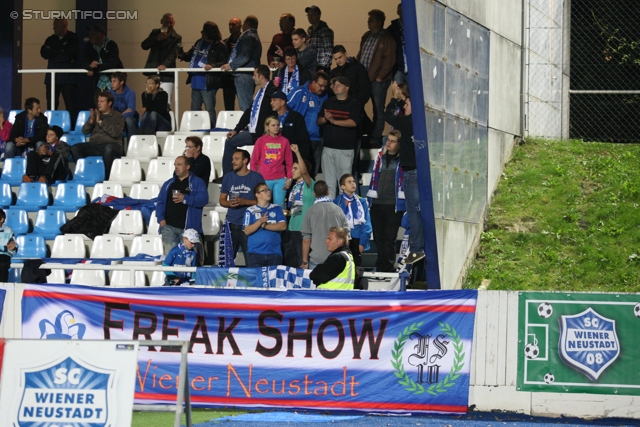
(53,91)
(176,96)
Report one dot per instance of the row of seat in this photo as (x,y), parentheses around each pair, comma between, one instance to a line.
(128,223)
(191,120)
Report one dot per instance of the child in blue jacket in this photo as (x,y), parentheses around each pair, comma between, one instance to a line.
(183,255)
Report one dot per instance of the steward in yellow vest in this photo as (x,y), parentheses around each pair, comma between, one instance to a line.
(338,271)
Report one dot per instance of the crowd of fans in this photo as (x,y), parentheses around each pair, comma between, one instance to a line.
(305,117)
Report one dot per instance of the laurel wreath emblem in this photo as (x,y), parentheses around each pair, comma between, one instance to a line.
(403,377)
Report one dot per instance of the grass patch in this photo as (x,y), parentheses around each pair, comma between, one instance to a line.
(166,419)
(565,217)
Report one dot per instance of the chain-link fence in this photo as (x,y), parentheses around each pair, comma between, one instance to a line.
(583,70)
(605,71)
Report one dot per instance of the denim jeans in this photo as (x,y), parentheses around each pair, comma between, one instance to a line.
(238,140)
(11,150)
(208,97)
(245,86)
(378,97)
(412,199)
(154,122)
(130,125)
(171,236)
(277,190)
(260,260)
(238,240)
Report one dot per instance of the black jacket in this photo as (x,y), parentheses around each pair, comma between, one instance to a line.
(265,111)
(397,31)
(61,53)
(331,267)
(405,125)
(162,52)
(217,57)
(158,103)
(358,76)
(110,55)
(40,128)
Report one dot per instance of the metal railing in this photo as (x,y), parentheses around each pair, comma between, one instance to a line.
(176,71)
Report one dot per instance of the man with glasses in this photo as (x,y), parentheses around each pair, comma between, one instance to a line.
(339,117)
(263,224)
(200,163)
(307,100)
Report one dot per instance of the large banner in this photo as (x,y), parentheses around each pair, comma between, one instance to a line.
(329,350)
(579,343)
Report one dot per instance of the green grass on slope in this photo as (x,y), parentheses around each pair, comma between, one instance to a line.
(565,217)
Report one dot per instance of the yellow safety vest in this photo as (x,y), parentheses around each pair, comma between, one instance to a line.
(346,278)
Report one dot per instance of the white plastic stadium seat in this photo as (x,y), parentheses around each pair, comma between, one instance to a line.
(147,244)
(173,126)
(56,276)
(213,146)
(107,246)
(109,188)
(174,146)
(69,246)
(195,121)
(125,171)
(88,277)
(157,278)
(143,147)
(127,224)
(228,119)
(144,190)
(153,224)
(122,279)
(160,169)
(211,222)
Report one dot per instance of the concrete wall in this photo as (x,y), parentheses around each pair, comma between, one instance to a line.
(190,16)
(458,240)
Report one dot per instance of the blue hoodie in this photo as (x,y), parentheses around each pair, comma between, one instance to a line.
(124,100)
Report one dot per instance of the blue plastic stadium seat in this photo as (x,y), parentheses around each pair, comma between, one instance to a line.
(89,171)
(13,170)
(18,220)
(59,118)
(83,116)
(33,196)
(15,275)
(48,223)
(31,246)
(6,195)
(73,138)
(13,114)
(70,196)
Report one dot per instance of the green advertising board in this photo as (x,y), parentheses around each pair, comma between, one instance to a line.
(579,343)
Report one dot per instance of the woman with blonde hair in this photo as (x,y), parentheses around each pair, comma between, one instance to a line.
(273,159)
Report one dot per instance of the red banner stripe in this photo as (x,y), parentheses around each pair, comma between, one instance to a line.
(249,307)
(324,404)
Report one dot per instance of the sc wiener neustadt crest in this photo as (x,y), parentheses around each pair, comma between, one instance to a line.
(66,393)
(588,342)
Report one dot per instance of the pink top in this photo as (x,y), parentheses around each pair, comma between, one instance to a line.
(4,133)
(272,157)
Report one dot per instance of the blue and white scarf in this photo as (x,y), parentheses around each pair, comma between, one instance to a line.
(197,52)
(255,110)
(323,199)
(353,210)
(295,198)
(225,247)
(294,82)
(234,52)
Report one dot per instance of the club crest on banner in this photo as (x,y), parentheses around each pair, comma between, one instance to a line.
(65,326)
(422,358)
(65,394)
(588,342)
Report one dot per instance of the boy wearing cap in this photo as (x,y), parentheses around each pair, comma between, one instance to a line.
(184,255)
(49,163)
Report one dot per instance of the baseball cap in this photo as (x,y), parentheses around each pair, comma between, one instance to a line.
(313,8)
(279,95)
(191,235)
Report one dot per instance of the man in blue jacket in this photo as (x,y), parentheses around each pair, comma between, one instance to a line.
(180,204)
(307,100)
